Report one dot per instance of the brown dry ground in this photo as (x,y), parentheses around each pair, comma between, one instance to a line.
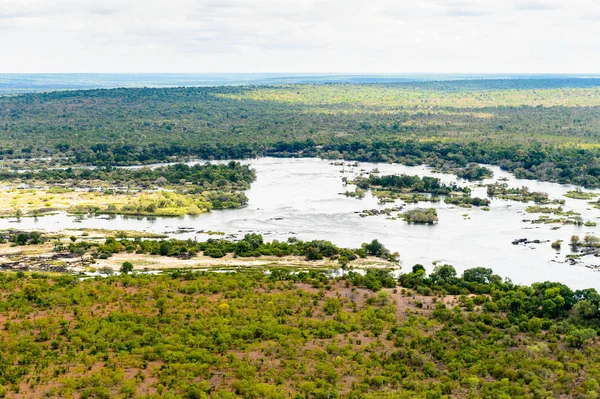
(155,262)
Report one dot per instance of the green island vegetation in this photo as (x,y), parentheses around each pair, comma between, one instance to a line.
(358,193)
(252,245)
(595,204)
(286,334)
(546,129)
(165,203)
(205,176)
(412,189)
(388,196)
(574,220)
(546,209)
(467,202)
(502,191)
(417,184)
(475,172)
(172,190)
(566,217)
(420,216)
(580,194)
(589,241)
(375,212)
(588,246)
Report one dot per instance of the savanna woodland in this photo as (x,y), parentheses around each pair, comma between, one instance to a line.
(323,327)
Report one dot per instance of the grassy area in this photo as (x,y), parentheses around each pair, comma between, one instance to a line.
(582,195)
(172,190)
(39,202)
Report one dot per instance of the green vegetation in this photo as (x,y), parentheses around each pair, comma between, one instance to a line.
(22,237)
(582,195)
(574,220)
(173,190)
(538,129)
(297,335)
(374,212)
(467,202)
(406,183)
(502,191)
(546,209)
(411,189)
(252,245)
(200,177)
(166,203)
(386,196)
(595,204)
(357,193)
(567,217)
(474,172)
(589,241)
(420,216)
(126,267)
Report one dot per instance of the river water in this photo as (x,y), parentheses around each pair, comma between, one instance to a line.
(301,198)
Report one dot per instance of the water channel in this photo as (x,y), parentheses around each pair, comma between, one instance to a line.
(301,198)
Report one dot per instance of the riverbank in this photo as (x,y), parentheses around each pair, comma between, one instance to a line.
(301,198)
(59,253)
(18,202)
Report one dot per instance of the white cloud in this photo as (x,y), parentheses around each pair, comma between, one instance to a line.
(299,36)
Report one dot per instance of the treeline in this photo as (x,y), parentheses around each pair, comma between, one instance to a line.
(206,176)
(252,245)
(548,134)
(563,164)
(425,184)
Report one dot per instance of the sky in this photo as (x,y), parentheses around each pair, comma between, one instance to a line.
(300,36)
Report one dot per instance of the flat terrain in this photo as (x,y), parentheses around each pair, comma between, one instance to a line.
(46,257)
(547,129)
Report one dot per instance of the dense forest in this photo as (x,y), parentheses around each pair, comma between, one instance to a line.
(538,128)
(296,335)
(232,176)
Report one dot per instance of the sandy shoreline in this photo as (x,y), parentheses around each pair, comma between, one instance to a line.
(42,257)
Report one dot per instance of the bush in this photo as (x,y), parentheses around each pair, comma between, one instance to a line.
(126,267)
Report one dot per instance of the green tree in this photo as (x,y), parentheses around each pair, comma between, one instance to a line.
(126,267)
(578,337)
(31,291)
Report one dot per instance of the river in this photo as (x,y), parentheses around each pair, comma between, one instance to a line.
(301,198)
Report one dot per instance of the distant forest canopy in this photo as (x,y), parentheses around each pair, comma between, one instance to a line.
(547,129)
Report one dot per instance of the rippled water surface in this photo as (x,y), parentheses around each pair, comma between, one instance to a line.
(301,198)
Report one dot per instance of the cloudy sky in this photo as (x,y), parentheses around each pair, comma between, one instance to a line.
(351,36)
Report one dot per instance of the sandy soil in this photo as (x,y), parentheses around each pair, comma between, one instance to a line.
(152,262)
(43,257)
